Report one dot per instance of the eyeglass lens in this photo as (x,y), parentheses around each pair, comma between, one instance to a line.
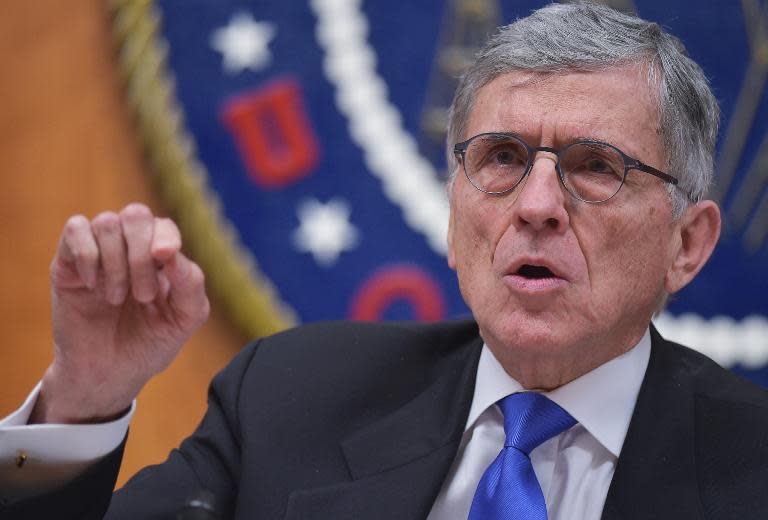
(593,172)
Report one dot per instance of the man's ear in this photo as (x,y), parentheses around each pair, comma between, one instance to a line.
(451,252)
(699,230)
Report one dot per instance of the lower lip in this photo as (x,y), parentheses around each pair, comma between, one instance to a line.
(534,286)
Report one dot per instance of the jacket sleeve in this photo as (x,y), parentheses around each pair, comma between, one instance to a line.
(55,453)
(209,460)
(84,498)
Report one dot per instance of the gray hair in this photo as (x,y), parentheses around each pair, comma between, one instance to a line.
(561,38)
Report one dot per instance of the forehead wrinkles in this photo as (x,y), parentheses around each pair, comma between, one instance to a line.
(556,109)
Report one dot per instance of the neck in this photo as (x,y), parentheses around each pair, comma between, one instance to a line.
(546,371)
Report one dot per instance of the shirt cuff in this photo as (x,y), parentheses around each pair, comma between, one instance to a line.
(35,458)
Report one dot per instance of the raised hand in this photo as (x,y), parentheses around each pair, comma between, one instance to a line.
(125,299)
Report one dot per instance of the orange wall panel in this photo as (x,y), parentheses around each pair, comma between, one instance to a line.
(67,146)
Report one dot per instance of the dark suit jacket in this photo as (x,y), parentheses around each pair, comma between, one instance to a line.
(362,421)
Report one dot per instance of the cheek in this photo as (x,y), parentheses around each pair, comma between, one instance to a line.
(631,262)
(646,244)
(479,225)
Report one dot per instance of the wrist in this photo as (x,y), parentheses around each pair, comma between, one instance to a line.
(65,402)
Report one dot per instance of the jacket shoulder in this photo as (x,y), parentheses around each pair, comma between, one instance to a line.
(712,381)
(731,438)
(346,365)
(330,344)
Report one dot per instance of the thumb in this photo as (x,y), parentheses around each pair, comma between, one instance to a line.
(186,293)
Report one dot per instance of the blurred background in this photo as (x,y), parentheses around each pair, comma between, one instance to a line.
(299,145)
(69,146)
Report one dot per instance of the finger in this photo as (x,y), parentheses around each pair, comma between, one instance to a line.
(166,240)
(187,296)
(138,227)
(78,250)
(164,285)
(109,237)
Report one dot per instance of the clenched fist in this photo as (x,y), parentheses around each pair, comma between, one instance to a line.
(125,299)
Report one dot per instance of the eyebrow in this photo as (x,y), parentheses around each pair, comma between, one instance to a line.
(578,131)
(526,136)
(590,138)
(564,132)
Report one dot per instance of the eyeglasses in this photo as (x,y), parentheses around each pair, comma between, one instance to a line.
(591,171)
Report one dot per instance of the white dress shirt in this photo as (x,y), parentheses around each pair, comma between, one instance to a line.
(37,457)
(574,468)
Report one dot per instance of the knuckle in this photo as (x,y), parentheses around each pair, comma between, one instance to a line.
(135,211)
(205,309)
(167,229)
(53,269)
(105,222)
(199,311)
(75,227)
(80,246)
(196,275)
(75,223)
(85,254)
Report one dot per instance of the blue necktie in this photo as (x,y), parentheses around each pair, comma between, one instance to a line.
(509,488)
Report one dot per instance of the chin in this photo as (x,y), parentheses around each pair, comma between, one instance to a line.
(532,336)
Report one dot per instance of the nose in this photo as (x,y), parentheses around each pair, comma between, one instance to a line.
(540,201)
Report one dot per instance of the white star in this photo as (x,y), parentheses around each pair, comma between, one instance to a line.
(244,43)
(325,230)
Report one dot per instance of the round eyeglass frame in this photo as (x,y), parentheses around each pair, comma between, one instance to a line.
(630,163)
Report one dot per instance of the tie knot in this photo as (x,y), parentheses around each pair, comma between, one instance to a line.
(531,419)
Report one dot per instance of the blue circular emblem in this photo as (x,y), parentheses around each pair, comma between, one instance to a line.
(313,135)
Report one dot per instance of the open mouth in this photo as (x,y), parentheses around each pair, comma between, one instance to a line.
(535,272)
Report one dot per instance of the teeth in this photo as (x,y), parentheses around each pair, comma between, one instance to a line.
(535,271)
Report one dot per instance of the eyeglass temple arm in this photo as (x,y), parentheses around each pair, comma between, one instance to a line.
(663,176)
(653,171)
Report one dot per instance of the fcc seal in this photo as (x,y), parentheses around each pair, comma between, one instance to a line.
(299,143)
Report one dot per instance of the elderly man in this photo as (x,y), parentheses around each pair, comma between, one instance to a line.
(581,142)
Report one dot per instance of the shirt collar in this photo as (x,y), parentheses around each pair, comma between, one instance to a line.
(601,400)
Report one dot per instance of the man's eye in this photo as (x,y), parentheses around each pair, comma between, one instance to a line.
(597,165)
(503,157)
(506,157)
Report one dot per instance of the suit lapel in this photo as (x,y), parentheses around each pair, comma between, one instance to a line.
(399,462)
(655,475)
